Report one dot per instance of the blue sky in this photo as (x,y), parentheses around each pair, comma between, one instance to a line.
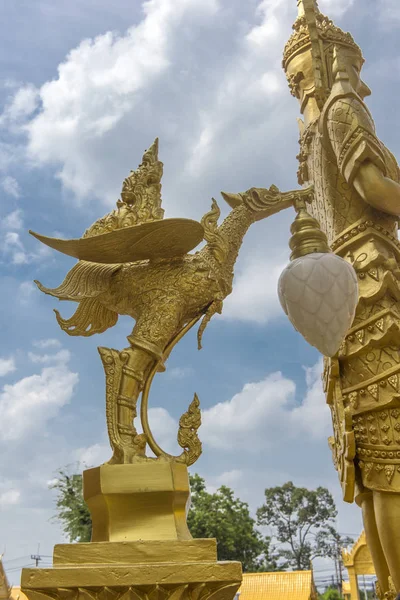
(85,88)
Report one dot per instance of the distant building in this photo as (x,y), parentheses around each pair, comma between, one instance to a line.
(287,585)
(358,561)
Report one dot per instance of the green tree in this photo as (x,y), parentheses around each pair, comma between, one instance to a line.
(226,518)
(72,510)
(300,518)
(331,594)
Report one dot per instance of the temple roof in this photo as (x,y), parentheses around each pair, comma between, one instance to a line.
(349,555)
(359,557)
(287,585)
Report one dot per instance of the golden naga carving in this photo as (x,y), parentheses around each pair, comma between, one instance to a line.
(132,262)
(357,203)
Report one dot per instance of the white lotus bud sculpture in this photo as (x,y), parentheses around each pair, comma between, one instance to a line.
(319,294)
(318,290)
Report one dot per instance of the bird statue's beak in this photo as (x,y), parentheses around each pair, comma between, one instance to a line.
(233,200)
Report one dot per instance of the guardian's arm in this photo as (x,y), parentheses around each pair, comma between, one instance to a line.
(379,191)
(360,155)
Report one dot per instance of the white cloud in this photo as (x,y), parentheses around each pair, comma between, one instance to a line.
(7,365)
(19,258)
(63,356)
(44,344)
(265,412)
(9,498)
(255,296)
(389,13)
(313,416)
(26,289)
(52,482)
(257,413)
(12,240)
(11,186)
(10,83)
(114,94)
(231,478)
(335,8)
(12,221)
(92,456)
(269,28)
(247,87)
(164,429)
(60,235)
(12,246)
(29,403)
(23,104)
(100,82)
(180,372)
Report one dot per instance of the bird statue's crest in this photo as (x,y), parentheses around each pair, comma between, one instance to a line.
(140,197)
(135,230)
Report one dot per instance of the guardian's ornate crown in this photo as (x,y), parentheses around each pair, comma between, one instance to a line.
(314,31)
(312,25)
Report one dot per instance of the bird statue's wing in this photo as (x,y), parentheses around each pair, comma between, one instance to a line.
(156,239)
(84,280)
(84,283)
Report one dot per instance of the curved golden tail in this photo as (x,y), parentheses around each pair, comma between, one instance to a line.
(189,421)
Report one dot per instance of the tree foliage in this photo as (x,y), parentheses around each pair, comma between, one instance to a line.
(331,594)
(301,518)
(330,543)
(226,518)
(72,510)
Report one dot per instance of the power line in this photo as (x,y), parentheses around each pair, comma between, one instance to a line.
(37,557)
(5,562)
(18,568)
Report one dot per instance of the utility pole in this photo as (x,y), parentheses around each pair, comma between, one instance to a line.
(336,571)
(373,591)
(340,566)
(36,557)
(365,589)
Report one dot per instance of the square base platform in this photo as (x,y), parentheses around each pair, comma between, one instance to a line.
(143,570)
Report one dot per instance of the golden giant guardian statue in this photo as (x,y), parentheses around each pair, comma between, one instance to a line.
(357,204)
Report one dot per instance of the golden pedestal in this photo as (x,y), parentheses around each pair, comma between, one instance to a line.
(141,501)
(141,548)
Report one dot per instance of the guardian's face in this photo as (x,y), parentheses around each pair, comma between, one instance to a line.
(301,74)
(353,64)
